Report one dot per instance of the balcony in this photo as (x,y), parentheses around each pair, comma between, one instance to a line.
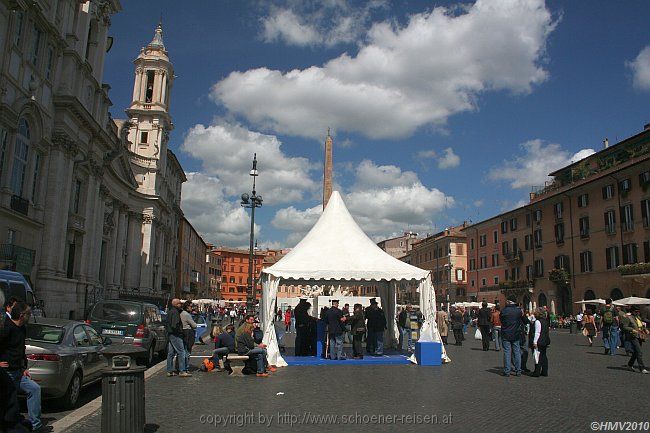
(19,204)
(20,259)
(634,269)
(513,257)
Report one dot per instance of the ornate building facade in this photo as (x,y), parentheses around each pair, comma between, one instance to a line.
(81,214)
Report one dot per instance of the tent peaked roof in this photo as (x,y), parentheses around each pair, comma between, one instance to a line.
(337,249)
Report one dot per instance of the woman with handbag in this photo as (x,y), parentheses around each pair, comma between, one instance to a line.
(635,332)
(589,327)
(358,329)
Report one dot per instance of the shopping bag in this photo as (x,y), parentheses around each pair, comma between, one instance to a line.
(477,335)
(536,355)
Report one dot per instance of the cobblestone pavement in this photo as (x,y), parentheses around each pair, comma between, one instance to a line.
(584,386)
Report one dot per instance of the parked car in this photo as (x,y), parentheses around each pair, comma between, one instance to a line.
(64,356)
(14,284)
(201,327)
(142,321)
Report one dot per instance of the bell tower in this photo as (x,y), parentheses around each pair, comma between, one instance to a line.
(149,108)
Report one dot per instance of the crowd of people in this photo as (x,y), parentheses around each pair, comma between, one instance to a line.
(520,332)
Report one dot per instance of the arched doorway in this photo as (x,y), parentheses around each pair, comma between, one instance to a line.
(563,301)
(542,301)
(616,294)
(589,295)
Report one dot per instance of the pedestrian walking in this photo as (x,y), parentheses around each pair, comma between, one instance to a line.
(511,318)
(175,346)
(483,318)
(189,331)
(589,327)
(495,320)
(287,319)
(540,342)
(442,321)
(610,327)
(635,332)
(457,322)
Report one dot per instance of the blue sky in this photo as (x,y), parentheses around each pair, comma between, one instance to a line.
(440,111)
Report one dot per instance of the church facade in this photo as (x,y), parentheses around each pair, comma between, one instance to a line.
(89,206)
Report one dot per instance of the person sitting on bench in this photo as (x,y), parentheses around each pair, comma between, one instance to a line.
(245,345)
(224,343)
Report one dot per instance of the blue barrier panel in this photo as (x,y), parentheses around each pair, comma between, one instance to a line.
(428,353)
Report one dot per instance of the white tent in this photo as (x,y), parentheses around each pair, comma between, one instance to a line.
(336,251)
(632,300)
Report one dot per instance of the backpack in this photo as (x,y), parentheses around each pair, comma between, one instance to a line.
(207,365)
(608,317)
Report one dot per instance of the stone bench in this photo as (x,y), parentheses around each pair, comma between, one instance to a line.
(240,361)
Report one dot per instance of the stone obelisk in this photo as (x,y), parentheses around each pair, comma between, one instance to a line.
(327,170)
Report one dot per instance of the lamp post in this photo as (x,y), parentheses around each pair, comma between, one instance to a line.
(251,201)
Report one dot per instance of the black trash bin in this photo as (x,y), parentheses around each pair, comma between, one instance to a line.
(123,390)
(573,327)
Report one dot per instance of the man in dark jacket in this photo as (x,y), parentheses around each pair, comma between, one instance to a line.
(14,363)
(302,327)
(175,345)
(511,318)
(376,324)
(484,315)
(335,328)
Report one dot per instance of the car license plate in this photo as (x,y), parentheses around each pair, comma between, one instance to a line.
(113,331)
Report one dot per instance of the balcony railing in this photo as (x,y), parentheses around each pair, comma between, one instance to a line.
(19,204)
(21,259)
(515,256)
(634,269)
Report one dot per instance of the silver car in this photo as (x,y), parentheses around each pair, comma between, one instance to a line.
(63,356)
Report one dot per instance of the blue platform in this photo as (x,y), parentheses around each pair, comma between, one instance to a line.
(367,360)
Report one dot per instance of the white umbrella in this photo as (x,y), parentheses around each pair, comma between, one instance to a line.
(632,300)
(591,301)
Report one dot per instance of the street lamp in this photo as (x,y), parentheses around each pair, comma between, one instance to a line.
(251,201)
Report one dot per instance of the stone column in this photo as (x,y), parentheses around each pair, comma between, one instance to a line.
(92,192)
(121,228)
(109,274)
(148,243)
(133,258)
(56,204)
(137,86)
(163,90)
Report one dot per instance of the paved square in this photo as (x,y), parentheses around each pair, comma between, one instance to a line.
(584,386)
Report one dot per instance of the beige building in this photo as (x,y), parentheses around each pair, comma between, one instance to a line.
(582,236)
(79,213)
(399,246)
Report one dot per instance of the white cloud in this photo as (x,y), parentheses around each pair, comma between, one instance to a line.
(641,69)
(427,154)
(218,220)
(310,23)
(533,166)
(383,200)
(403,77)
(448,160)
(478,203)
(226,152)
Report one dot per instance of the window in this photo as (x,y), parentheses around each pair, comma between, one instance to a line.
(539,268)
(506,275)
(513,224)
(559,233)
(585,262)
(629,254)
(495,235)
(36,42)
(625,186)
(504,247)
(80,337)
(528,242)
(37,169)
(515,247)
(460,274)
(144,137)
(504,227)
(558,208)
(527,220)
(644,180)
(471,244)
(537,234)
(496,280)
(611,256)
(529,272)
(76,196)
(482,240)
(562,262)
(610,222)
(232,280)
(472,283)
(646,251)
(4,135)
(645,210)
(608,191)
(495,260)
(49,66)
(584,227)
(483,282)
(627,217)
(515,274)
(70,264)
(472,264)
(149,88)
(459,249)
(483,263)
(583,200)
(21,151)
(538,216)
(18,29)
